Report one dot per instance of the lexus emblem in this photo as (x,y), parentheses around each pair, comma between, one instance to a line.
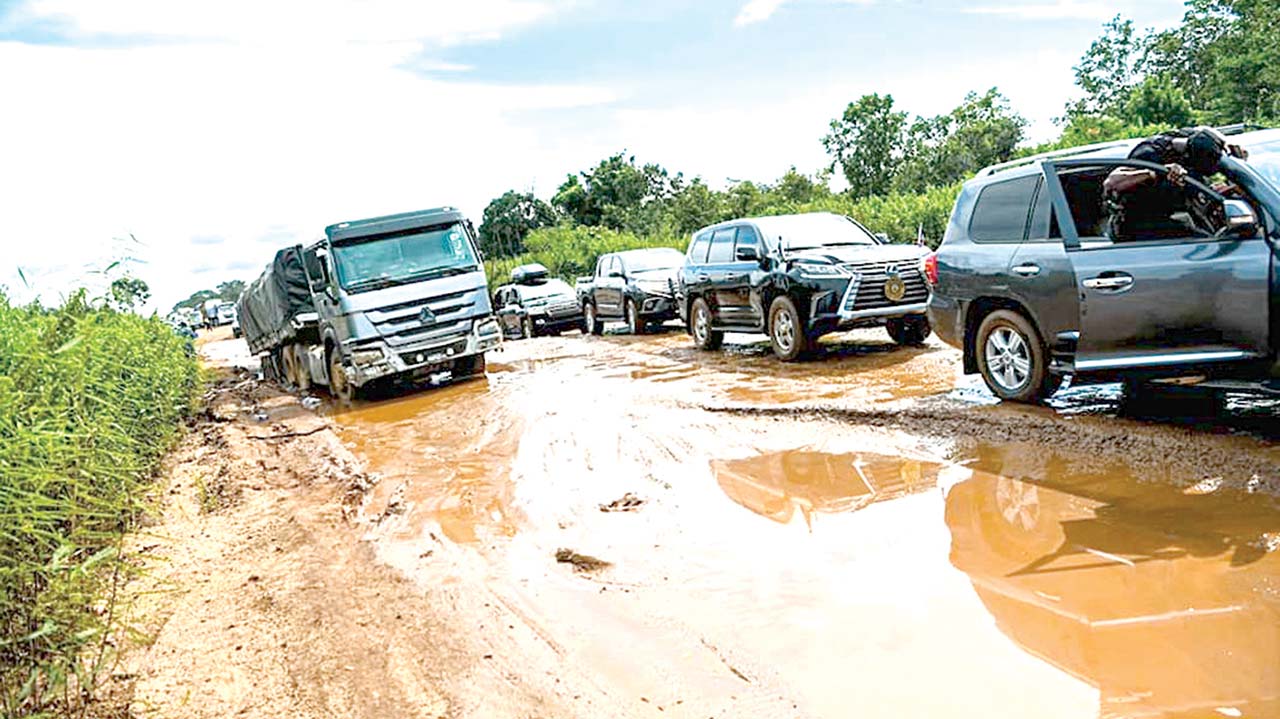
(427,316)
(894,288)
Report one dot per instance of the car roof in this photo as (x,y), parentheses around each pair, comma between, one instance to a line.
(1103,150)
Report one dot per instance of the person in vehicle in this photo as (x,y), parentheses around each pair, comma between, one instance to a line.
(1145,204)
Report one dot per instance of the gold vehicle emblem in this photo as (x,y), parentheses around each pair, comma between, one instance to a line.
(894,288)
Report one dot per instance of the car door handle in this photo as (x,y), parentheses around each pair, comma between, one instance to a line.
(704,278)
(1029,269)
(1109,282)
(735,278)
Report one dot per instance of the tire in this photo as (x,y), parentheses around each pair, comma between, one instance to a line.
(590,321)
(635,325)
(339,386)
(700,322)
(526,328)
(1012,358)
(473,366)
(909,331)
(302,372)
(787,332)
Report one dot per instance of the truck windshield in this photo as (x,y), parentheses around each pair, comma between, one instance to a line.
(367,264)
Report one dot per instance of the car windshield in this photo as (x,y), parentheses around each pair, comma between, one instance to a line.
(803,232)
(1265,158)
(371,263)
(550,288)
(647,260)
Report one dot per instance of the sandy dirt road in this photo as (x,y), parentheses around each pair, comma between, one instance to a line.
(861,535)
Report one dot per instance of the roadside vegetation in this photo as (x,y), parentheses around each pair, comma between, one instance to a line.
(91,397)
(900,174)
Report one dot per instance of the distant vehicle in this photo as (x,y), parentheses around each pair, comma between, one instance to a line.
(798,277)
(401,296)
(211,314)
(227,314)
(535,304)
(637,287)
(1031,286)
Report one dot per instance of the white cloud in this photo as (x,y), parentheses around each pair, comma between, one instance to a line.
(241,136)
(1060,10)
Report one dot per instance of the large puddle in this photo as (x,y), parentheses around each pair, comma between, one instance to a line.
(789,567)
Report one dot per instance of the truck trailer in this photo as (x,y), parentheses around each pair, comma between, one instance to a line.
(401,296)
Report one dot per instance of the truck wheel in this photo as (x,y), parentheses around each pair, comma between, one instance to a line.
(339,386)
(591,321)
(526,328)
(787,332)
(1012,359)
(473,366)
(910,331)
(301,367)
(700,327)
(635,325)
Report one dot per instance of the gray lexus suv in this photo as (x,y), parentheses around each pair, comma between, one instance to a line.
(1033,283)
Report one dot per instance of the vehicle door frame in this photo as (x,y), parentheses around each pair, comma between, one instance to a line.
(606,293)
(721,301)
(1089,359)
(742,279)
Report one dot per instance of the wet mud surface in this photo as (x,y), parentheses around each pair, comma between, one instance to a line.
(865,534)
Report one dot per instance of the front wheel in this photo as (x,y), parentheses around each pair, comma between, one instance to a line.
(1012,358)
(473,366)
(592,320)
(910,331)
(787,333)
(339,385)
(635,325)
(700,326)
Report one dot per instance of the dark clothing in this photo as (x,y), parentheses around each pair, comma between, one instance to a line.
(1152,210)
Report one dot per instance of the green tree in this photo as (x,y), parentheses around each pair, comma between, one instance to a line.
(865,144)
(1157,101)
(195,300)
(509,219)
(128,293)
(618,194)
(982,130)
(230,290)
(695,206)
(1110,68)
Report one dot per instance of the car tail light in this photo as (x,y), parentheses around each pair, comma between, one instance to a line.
(929,265)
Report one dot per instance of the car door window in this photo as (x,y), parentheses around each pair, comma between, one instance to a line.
(698,249)
(1044,224)
(721,246)
(1151,212)
(1001,211)
(747,237)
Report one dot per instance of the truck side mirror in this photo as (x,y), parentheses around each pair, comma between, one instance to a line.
(1241,221)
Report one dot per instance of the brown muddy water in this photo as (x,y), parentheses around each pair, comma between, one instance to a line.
(851,536)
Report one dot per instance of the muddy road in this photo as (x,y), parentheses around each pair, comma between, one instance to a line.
(867,534)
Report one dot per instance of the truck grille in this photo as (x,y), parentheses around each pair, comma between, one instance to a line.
(873,276)
(417,357)
(402,325)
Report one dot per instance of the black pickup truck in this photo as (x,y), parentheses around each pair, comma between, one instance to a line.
(636,286)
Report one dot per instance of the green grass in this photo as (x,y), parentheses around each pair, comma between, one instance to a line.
(90,401)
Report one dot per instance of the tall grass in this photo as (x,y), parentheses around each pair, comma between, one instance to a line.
(90,400)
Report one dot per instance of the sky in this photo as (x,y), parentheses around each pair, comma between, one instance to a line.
(194,139)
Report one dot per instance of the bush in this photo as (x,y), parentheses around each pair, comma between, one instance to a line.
(90,400)
(570,251)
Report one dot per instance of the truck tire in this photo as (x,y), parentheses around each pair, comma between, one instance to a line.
(289,367)
(592,321)
(302,368)
(635,325)
(339,386)
(1012,358)
(700,323)
(473,366)
(787,333)
(909,331)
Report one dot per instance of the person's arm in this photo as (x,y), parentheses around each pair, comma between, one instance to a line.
(1126,179)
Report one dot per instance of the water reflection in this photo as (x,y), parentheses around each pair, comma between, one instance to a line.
(1167,601)
(780,484)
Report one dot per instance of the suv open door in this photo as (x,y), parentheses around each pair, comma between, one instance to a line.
(1152,300)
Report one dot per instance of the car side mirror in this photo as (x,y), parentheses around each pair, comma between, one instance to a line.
(882,238)
(1241,221)
(616,273)
(748,254)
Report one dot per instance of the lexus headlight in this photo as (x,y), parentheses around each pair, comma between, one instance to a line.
(820,272)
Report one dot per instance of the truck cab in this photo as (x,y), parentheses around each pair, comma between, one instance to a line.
(402,294)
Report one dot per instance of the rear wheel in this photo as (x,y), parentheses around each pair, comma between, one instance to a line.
(634,324)
(592,321)
(911,331)
(1012,358)
(700,326)
(787,333)
(339,385)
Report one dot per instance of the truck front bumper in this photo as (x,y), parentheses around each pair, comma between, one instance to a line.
(375,360)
